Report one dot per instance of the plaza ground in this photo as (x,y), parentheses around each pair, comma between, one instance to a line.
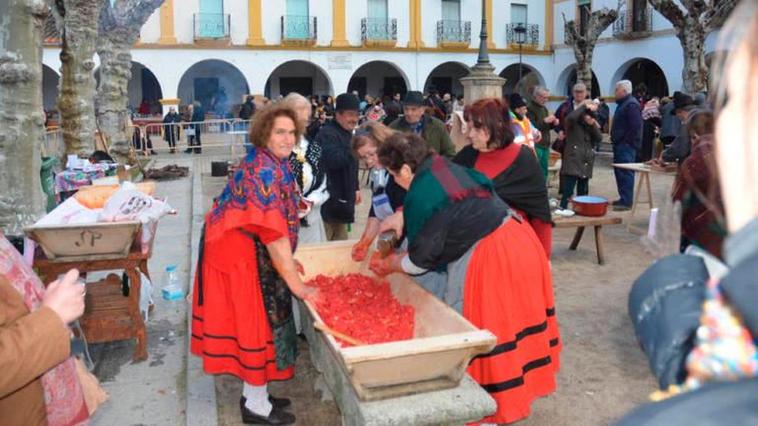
(603,372)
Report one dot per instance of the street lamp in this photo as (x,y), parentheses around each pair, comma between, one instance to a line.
(520,31)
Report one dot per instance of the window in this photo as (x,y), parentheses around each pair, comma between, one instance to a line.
(518,14)
(297,7)
(640,15)
(585,10)
(377,9)
(211,19)
(451,10)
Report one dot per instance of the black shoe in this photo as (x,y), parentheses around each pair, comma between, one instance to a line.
(152,152)
(188,151)
(276,417)
(621,208)
(617,203)
(279,402)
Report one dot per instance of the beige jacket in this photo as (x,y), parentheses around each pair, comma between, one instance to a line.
(30,344)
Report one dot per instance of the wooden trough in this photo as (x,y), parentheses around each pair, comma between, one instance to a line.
(93,241)
(436,358)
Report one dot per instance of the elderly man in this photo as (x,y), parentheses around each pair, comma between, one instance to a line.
(543,121)
(341,168)
(415,120)
(626,136)
(679,149)
(578,95)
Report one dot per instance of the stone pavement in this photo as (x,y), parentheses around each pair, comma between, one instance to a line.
(153,392)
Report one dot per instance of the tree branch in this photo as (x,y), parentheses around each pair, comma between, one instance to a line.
(717,14)
(671,11)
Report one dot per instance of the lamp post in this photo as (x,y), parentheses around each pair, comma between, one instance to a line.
(520,31)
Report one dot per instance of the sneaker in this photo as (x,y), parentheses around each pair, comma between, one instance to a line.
(617,203)
(621,207)
(564,212)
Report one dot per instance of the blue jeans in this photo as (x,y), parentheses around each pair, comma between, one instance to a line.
(624,153)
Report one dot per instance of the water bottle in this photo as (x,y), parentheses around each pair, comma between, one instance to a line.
(172,290)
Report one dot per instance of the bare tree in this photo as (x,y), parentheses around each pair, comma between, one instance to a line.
(120,24)
(693,20)
(77,20)
(583,40)
(21,114)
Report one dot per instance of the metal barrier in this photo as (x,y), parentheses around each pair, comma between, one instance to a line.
(195,136)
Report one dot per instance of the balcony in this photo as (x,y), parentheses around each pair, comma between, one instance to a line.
(454,34)
(299,30)
(526,36)
(211,26)
(630,26)
(377,32)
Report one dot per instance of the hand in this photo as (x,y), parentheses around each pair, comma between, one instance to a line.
(66,297)
(299,267)
(303,208)
(394,222)
(591,105)
(385,266)
(561,135)
(358,197)
(308,294)
(550,119)
(360,250)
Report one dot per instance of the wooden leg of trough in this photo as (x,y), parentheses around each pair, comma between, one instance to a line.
(577,237)
(140,335)
(599,244)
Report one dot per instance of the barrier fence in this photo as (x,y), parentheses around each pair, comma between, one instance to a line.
(196,135)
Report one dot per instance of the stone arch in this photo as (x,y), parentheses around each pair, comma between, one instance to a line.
(299,76)
(143,86)
(50,80)
(218,85)
(567,78)
(378,78)
(639,71)
(445,78)
(530,78)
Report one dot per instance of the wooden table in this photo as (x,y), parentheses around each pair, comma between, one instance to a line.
(580,222)
(108,315)
(644,171)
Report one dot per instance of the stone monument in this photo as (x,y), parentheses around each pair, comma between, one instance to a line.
(482,82)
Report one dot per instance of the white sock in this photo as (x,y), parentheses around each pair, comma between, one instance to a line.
(256,399)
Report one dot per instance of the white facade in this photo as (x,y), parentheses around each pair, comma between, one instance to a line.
(331,69)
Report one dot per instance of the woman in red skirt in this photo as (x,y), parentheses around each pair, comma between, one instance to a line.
(242,322)
(513,167)
(498,276)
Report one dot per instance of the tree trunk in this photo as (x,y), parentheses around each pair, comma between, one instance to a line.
(112,96)
(21,114)
(584,68)
(120,25)
(77,84)
(695,72)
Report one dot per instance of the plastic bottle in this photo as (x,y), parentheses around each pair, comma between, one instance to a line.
(172,290)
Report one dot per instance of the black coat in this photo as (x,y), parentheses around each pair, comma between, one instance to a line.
(578,154)
(341,173)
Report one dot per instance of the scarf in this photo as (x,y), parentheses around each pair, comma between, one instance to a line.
(439,183)
(312,156)
(262,189)
(64,399)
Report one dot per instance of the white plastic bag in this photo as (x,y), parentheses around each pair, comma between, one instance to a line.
(145,296)
(130,204)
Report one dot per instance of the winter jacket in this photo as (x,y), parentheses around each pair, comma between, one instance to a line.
(341,173)
(434,133)
(537,114)
(578,155)
(627,123)
(670,123)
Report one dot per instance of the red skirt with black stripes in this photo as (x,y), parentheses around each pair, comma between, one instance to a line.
(231,330)
(509,291)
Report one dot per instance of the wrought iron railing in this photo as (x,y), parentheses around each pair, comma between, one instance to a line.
(299,28)
(378,29)
(633,25)
(530,36)
(453,32)
(211,25)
